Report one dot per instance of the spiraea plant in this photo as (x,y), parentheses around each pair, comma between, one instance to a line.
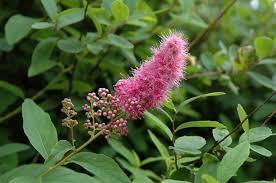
(104,125)
(108,113)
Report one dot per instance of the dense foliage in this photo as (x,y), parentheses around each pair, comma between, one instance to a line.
(216,126)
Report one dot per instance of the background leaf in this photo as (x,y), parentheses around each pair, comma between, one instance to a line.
(156,123)
(161,148)
(260,150)
(104,168)
(119,10)
(257,134)
(242,115)
(65,175)
(119,41)
(70,16)
(41,61)
(232,161)
(219,134)
(121,149)
(58,151)
(15,23)
(39,128)
(189,144)
(214,94)
(69,45)
(200,124)
(26,179)
(50,7)
(11,148)
(263,46)
(12,89)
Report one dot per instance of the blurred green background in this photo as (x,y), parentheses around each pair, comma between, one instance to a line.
(235,55)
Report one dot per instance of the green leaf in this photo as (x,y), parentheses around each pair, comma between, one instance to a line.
(242,115)
(31,170)
(219,134)
(70,45)
(200,124)
(165,113)
(17,27)
(39,128)
(11,148)
(257,134)
(70,16)
(129,55)
(119,41)
(121,149)
(232,161)
(157,124)
(138,172)
(263,80)
(50,7)
(42,25)
(81,87)
(207,158)
(267,61)
(95,48)
(209,179)
(174,181)
(214,94)
(260,181)
(142,179)
(58,151)
(151,160)
(161,148)
(92,14)
(260,150)
(209,168)
(187,159)
(16,91)
(26,179)
(4,46)
(168,103)
(189,144)
(119,10)
(104,168)
(65,175)
(263,46)
(41,57)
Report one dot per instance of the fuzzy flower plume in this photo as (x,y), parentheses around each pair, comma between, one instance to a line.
(150,83)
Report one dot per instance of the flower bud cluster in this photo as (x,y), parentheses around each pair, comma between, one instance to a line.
(102,106)
(68,109)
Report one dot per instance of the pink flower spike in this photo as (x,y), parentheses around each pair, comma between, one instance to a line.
(150,83)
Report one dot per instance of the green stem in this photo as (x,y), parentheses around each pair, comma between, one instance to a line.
(269,118)
(173,140)
(72,137)
(63,161)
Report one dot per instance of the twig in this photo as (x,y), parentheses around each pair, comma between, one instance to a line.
(173,140)
(269,118)
(63,161)
(240,124)
(212,24)
(37,95)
